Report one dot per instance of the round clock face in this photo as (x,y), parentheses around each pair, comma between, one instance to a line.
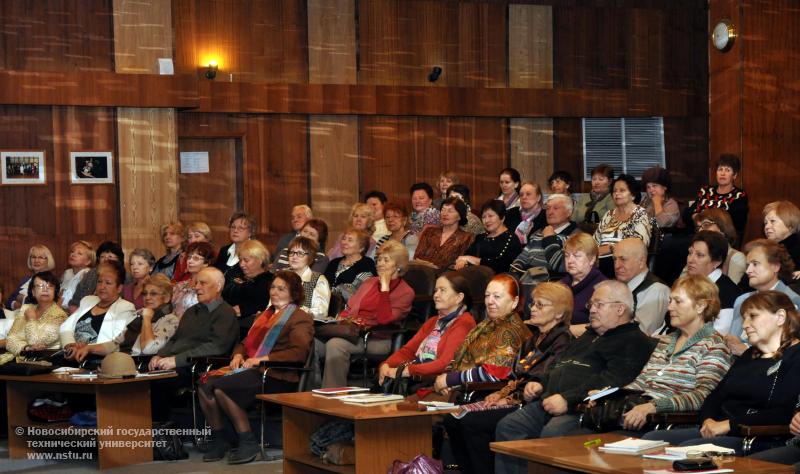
(720,36)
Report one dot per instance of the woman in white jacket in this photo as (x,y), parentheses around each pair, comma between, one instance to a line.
(100,317)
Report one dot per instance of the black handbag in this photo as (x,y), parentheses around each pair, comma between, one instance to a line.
(394,386)
(167,445)
(606,414)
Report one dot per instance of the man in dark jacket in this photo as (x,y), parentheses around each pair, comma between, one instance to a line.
(611,353)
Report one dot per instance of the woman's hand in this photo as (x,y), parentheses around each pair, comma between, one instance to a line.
(80,353)
(794,426)
(385,279)
(70,349)
(440,385)
(254,362)
(711,428)
(465,261)
(498,402)
(736,346)
(531,391)
(147,314)
(236,361)
(795,275)
(386,371)
(636,417)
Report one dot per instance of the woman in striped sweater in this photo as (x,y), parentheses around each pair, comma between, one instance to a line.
(687,364)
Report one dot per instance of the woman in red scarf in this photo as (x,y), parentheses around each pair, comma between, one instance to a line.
(284,333)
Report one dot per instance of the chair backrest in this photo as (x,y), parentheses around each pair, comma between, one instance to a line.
(478,277)
(308,370)
(422,279)
(656,238)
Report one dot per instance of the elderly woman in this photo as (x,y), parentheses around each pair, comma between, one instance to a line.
(81,259)
(762,386)
(345,274)
(687,364)
(242,227)
(316,230)
(592,206)
(361,218)
(781,224)
(725,195)
(510,181)
(36,327)
(106,252)
(422,214)
(626,219)
(440,246)
(248,292)
(300,215)
(474,224)
(380,300)
(580,258)
(196,232)
(768,263)
(706,253)
(397,224)
(658,203)
(498,247)
(172,236)
(316,291)
(101,317)
(432,348)
(717,220)
(560,182)
(154,325)
(489,350)
(198,256)
(141,264)
(40,259)
(551,308)
(530,215)
(282,333)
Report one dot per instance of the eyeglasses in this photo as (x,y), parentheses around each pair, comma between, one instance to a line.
(706,224)
(297,253)
(147,294)
(194,256)
(539,305)
(600,304)
(45,286)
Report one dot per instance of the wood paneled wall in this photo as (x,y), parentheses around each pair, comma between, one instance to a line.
(754,105)
(56,213)
(56,35)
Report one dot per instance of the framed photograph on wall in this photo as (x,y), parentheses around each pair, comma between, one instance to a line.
(91,167)
(22,167)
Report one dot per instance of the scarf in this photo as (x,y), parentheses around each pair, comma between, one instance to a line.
(274,330)
(135,327)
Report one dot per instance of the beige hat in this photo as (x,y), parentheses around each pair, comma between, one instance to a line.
(117,365)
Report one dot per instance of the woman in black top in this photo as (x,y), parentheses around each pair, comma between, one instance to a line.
(248,292)
(707,252)
(762,386)
(345,274)
(498,247)
(781,224)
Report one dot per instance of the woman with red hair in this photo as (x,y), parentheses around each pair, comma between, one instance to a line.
(489,350)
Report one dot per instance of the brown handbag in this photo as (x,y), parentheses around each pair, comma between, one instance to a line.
(345,330)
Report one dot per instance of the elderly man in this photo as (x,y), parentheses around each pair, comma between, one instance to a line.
(611,353)
(650,295)
(208,328)
(300,215)
(545,249)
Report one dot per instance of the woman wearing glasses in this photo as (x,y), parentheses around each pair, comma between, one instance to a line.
(316,291)
(470,435)
(198,256)
(242,227)
(36,327)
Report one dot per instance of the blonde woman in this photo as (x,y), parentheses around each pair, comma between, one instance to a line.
(362,217)
(81,259)
(40,259)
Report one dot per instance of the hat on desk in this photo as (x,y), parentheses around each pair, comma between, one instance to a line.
(117,365)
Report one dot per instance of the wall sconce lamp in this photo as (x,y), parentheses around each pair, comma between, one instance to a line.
(434,74)
(211,71)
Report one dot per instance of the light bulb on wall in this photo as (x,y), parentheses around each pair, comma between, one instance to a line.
(211,71)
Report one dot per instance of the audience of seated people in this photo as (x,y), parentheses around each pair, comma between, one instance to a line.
(179,308)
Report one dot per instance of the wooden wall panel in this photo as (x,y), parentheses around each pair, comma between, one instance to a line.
(530,43)
(275,162)
(398,151)
(334,170)
(56,213)
(331,42)
(532,149)
(56,35)
(142,34)
(148,185)
(252,40)
(401,40)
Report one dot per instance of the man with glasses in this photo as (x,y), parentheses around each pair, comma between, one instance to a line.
(544,253)
(611,353)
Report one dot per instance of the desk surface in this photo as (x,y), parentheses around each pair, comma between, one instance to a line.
(307,401)
(66,379)
(569,453)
